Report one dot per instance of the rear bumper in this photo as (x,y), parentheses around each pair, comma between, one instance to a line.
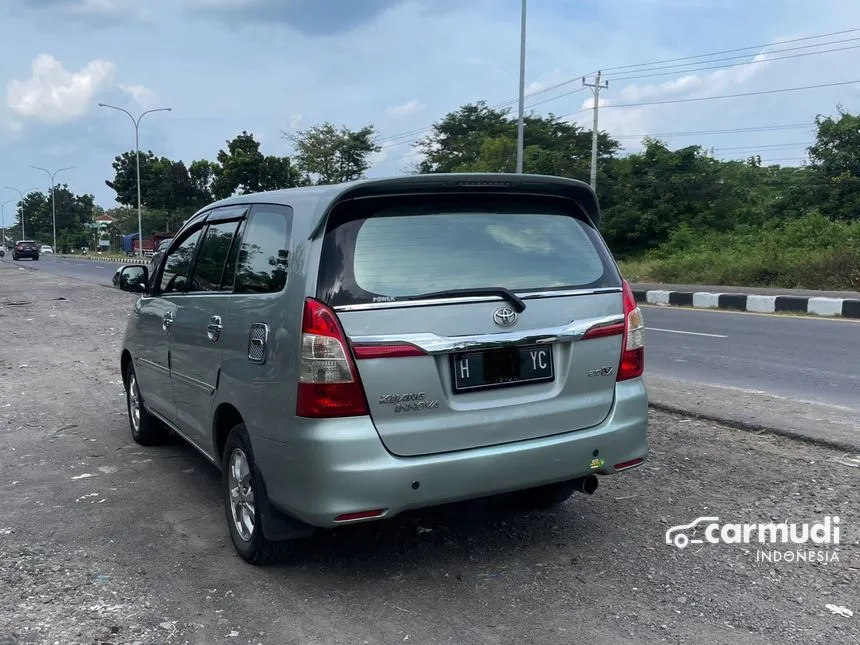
(338,466)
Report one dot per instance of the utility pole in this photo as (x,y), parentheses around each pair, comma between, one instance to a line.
(136,123)
(521,120)
(595,88)
(53,197)
(3,222)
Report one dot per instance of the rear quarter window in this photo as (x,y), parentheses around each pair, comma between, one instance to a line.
(402,251)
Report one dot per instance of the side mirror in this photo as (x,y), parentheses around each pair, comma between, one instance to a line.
(134,278)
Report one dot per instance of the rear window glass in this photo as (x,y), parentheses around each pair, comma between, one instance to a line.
(402,252)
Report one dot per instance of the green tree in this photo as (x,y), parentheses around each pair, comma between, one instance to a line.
(328,155)
(242,167)
(73,213)
(164,184)
(835,156)
(202,174)
(477,138)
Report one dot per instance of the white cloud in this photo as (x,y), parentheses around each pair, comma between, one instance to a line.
(105,9)
(709,84)
(646,119)
(549,79)
(54,95)
(295,121)
(404,109)
(143,96)
(383,155)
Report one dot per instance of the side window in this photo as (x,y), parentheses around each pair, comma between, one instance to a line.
(230,269)
(263,260)
(177,264)
(216,245)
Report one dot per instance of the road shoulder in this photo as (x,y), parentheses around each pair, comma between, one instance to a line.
(826,425)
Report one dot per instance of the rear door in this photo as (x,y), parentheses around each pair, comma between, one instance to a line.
(196,351)
(495,366)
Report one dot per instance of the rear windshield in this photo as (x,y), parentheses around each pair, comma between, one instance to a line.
(403,251)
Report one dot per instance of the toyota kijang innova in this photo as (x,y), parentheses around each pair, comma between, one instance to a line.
(344,353)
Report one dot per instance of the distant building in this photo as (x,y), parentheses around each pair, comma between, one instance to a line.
(104,220)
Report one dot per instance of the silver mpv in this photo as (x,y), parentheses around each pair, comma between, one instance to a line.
(345,353)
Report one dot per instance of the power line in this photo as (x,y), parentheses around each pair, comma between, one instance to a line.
(768,146)
(739,49)
(407,136)
(776,127)
(737,57)
(751,129)
(749,62)
(722,96)
(770,161)
(411,133)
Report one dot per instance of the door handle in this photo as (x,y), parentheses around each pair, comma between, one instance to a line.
(167,320)
(213,329)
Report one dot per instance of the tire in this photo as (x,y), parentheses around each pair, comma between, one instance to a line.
(239,480)
(146,430)
(543,497)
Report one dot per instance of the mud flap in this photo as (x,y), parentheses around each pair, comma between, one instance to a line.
(278,527)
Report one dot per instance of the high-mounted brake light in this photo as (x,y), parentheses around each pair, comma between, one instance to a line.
(633,352)
(329,385)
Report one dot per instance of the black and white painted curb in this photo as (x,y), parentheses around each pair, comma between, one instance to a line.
(756,303)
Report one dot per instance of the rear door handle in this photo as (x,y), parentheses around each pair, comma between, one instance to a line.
(213,329)
(167,320)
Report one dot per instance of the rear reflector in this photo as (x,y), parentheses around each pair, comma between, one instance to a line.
(624,465)
(364,352)
(360,515)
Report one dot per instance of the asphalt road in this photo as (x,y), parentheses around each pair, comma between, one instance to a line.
(104,541)
(802,358)
(808,359)
(87,270)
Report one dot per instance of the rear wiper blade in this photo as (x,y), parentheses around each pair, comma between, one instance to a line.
(518,303)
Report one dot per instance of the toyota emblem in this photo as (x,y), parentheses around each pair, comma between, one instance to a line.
(505,317)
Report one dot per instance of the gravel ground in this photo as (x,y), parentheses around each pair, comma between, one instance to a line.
(105,542)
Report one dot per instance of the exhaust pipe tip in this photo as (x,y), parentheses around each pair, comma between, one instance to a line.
(587,485)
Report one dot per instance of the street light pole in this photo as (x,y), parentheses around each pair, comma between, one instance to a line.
(136,123)
(53,197)
(3,222)
(521,120)
(23,236)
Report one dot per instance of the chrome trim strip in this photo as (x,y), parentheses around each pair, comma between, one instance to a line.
(467,299)
(153,365)
(209,389)
(435,344)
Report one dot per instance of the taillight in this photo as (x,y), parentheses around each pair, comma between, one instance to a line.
(633,351)
(364,352)
(329,385)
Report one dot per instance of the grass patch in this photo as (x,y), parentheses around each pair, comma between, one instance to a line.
(809,253)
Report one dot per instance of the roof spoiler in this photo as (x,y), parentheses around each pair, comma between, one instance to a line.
(548,185)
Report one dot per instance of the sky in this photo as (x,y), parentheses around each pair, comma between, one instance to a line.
(275,66)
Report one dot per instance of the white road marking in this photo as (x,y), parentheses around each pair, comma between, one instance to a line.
(687,333)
